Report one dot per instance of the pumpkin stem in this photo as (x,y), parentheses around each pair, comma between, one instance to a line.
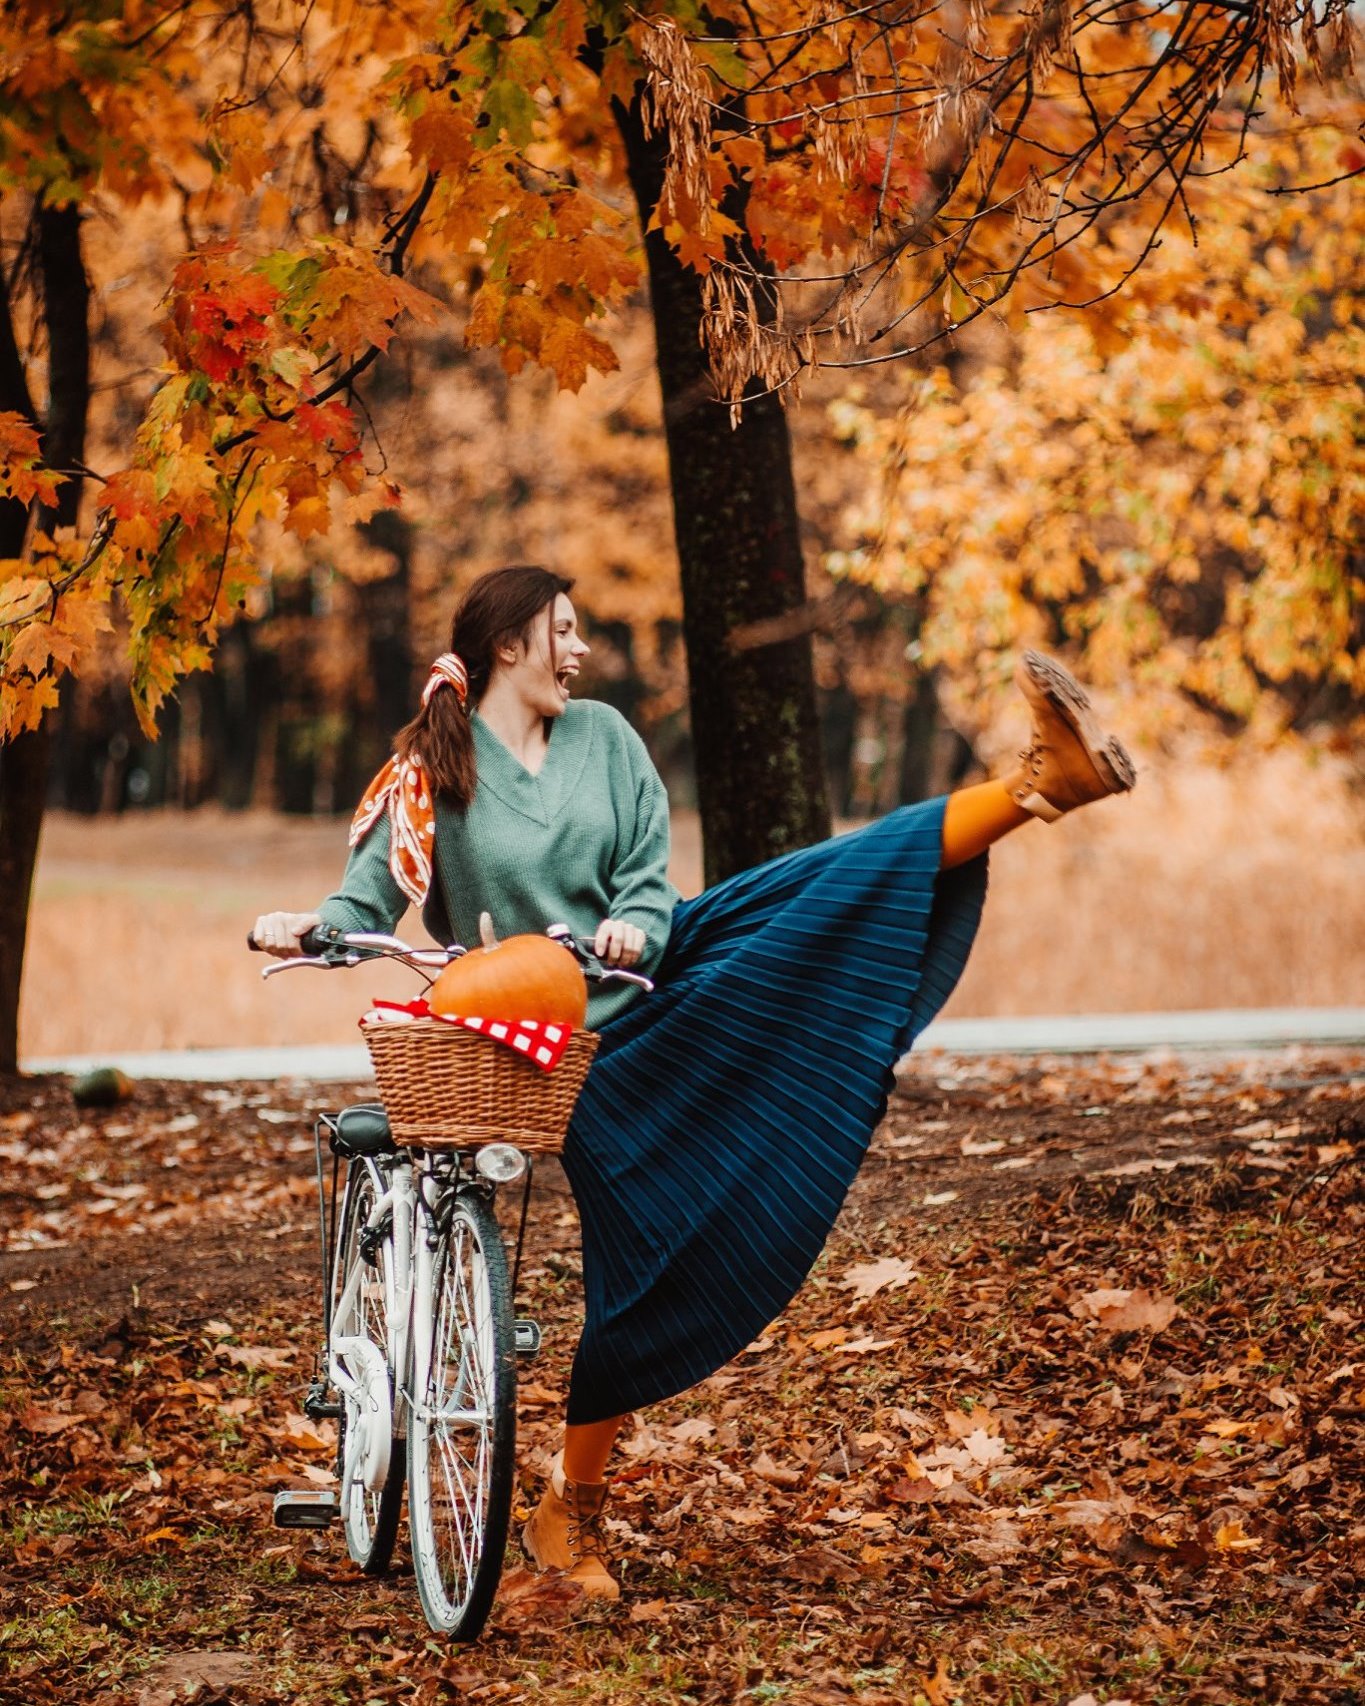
(487,935)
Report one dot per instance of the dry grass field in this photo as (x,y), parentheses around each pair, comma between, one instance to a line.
(1207,888)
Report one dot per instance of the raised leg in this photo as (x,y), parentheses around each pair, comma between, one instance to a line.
(976,817)
(1069,762)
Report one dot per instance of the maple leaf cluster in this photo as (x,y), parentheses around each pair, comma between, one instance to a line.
(254,422)
(242,428)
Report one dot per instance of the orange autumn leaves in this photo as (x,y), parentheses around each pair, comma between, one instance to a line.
(879,163)
(1173,485)
(334,132)
(241,430)
(22,474)
(96,94)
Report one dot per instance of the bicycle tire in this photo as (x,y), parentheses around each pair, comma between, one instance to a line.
(369,1518)
(460,1469)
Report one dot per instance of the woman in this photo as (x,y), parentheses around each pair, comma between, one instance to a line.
(725,1115)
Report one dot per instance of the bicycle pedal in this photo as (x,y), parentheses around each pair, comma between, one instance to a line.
(526,1337)
(303,1508)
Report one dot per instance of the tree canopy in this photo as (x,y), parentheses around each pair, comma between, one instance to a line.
(850,185)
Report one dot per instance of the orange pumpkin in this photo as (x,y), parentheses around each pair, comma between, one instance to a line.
(525,977)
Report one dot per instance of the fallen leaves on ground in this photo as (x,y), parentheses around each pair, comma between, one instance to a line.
(1086,1437)
(1128,1311)
(866,1279)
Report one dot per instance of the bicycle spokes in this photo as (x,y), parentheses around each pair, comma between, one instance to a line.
(459,1404)
(370,1471)
(461,1436)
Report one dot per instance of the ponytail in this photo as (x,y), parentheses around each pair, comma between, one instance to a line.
(497,607)
(440,736)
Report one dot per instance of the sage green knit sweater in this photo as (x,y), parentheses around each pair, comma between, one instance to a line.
(584,839)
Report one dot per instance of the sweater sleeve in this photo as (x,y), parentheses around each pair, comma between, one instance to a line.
(369,898)
(641,893)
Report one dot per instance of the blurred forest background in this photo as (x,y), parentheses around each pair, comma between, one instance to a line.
(311,683)
(1177,485)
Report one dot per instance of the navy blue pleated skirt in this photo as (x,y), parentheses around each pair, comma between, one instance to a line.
(726,1115)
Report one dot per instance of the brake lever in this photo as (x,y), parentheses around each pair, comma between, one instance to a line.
(309,960)
(615,974)
(378,939)
(594,969)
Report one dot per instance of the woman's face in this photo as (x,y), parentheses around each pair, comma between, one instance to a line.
(543,668)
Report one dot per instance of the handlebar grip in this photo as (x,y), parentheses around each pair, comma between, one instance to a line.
(312,941)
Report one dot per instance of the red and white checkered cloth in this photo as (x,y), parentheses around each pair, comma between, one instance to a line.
(543,1043)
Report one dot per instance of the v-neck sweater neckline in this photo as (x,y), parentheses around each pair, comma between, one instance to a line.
(538,795)
(480,721)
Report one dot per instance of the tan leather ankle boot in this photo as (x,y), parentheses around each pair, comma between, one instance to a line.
(1070,760)
(565,1533)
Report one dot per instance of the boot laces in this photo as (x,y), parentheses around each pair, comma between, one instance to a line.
(586,1536)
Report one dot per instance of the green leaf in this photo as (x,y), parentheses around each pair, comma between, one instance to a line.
(510,112)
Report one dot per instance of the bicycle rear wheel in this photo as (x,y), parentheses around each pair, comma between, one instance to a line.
(462,1428)
(369,1458)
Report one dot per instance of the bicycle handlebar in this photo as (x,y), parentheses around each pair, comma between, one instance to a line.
(327,947)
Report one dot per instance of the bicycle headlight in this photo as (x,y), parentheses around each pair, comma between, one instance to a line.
(500,1163)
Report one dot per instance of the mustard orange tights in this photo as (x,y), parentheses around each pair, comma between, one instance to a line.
(975,817)
(587,1446)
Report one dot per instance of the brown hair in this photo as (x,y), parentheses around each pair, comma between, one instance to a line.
(498,608)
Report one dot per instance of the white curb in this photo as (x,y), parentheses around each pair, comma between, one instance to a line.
(1231,1030)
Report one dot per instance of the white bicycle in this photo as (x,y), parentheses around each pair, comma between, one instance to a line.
(420,1337)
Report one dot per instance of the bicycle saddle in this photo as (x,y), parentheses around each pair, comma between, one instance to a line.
(360,1130)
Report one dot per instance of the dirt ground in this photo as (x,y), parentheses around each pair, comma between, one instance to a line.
(1071,1410)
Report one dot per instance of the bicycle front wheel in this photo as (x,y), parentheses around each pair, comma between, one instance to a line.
(462,1427)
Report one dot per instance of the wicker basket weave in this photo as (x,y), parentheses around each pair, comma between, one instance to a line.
(444,1087)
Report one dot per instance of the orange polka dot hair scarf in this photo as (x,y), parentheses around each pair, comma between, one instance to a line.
(402,788)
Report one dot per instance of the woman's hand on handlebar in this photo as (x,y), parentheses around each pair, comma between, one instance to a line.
(618,943)
(280,933)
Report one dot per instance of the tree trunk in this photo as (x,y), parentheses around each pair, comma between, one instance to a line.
(23,783)
(66,314)
(24,760)
(760,777)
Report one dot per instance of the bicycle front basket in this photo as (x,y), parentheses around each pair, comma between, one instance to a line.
(449,1088)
